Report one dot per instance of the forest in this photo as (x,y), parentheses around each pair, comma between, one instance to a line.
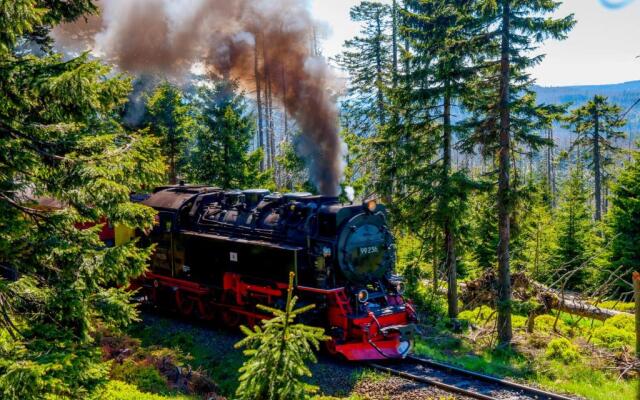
(516,221)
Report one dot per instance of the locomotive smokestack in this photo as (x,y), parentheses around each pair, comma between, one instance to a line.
(168,37)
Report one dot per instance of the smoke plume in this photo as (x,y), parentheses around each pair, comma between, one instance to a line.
(168,36)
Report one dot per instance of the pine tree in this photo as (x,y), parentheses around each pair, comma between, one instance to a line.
(624,222)
(259,97)
(501,106)
(368,59)
(60,138)
(168,118)
(574,227)
(537,231)
(278,352)
(444,36)
(294,169)
(598,125)
(484,229)
(220,154)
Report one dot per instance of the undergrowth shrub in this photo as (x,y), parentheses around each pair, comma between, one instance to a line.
(118,390)
(518,321)
(617,333)
(617,305)
(622,321)
(478,316)
(613,338)
(562,349)
(545,323)
(430,306)
(145,377)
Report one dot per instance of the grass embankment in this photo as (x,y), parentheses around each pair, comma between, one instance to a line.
(203,349)
(164,359)
(571,355)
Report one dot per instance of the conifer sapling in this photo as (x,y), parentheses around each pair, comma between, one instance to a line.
(278,351)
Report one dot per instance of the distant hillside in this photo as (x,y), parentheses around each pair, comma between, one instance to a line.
(622,94)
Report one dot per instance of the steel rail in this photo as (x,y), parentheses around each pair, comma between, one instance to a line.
(507,385)
(487,378)
(432,382)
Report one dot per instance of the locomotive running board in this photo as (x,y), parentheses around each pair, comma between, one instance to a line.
(242,241)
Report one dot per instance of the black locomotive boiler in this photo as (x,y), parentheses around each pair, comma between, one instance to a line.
(220,253)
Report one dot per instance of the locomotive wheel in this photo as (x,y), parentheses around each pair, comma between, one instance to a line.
(185,303)
(229,317)
(330,347)
(205,312)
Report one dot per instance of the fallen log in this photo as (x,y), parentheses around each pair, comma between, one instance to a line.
(483,291)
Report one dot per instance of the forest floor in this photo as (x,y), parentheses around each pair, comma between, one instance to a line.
(564,354)
(211,349)
(571,359)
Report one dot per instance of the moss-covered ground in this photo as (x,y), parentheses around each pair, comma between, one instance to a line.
(565,353)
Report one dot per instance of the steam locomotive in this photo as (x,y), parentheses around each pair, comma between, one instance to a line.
(221,253)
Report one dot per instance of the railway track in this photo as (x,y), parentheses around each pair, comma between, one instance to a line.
(462,382)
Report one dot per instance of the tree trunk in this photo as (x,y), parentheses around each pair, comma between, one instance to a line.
(481,292)
(536,259)
(597,175)
(636,291)
(284,110)
(256,71)
(435,262)
(173,176)
(449,238)
(269,105)
(505,333)
(272,142)
(394,41)
(550,174)
(378,50)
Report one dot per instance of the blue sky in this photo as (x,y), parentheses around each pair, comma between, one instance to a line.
(602,48)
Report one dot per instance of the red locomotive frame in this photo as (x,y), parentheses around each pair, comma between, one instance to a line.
(361,336)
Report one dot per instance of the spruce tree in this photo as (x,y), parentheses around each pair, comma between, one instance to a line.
(220,154)
(444,36)
(537,231)
(368,58)
(624,222)
(573,226)
(168,118)
(597,125)
(278,352)
(60,139)
(484,229)
(501,106)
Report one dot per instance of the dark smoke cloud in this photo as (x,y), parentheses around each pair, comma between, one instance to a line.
(168,36)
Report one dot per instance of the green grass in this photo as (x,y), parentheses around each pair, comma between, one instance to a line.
(220,362)
(531,361)
(118,390)
(497,363)
(580,379)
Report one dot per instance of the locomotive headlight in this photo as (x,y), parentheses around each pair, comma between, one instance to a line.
(400,288)
(371,205)
(363,296)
